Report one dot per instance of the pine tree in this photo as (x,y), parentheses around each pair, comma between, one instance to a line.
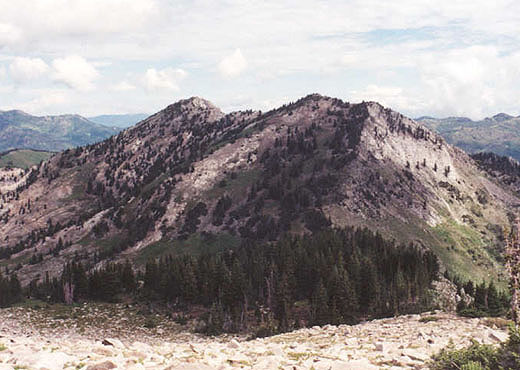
(320,308)
(128,277)
(370,288)
(282,307)
(493,300)
(481,297)
(512,255)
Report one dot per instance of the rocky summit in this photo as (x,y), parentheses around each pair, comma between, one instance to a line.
(96,337)
(191,178)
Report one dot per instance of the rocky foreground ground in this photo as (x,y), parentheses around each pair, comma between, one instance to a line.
(116,337)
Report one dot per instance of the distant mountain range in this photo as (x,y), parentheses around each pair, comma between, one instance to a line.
(19,130)
(119,120)
(499,134)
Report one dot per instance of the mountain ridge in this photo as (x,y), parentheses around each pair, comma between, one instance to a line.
(118,120)
(193,177)
(20,130)
(498,134)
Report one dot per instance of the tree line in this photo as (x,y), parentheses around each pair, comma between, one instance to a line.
(10,290)
(334,276)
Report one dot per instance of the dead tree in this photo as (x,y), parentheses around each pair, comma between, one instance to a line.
(68,293)
(513,267)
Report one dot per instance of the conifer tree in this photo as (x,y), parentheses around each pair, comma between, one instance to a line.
(282,307)
(513,266)
(320,308)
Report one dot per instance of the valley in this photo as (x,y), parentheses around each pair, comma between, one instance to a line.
(23,158)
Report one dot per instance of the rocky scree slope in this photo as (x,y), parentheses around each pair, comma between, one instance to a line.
(102,339)
(191,179)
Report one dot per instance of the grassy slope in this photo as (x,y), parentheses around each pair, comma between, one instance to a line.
(459,247)
(196,244)
(23,158)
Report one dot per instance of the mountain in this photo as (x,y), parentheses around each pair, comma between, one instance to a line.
(118,120)
(190,179)
(498,134)
(23,158)
(19,130)
(504,169)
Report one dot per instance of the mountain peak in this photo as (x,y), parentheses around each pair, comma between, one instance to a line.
(193,106)
(500,117)
(199,103)
(14,112)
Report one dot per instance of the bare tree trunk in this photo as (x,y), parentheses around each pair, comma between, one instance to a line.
(68,293)
(513,267)
(243,317)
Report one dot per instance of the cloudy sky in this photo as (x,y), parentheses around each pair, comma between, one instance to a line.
(440,58)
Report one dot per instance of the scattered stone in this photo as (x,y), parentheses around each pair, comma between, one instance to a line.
(190,367)
(115,343)
(498,336)
(107,365)
(416,355)
(388,343)
(362,364)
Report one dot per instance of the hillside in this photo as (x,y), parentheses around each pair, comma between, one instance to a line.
(23,158)
(118,120)
(499,134)
(505,169)
(19,130)
(191,178)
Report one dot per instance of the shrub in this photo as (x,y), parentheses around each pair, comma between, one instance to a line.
(428,319)
(264,331)
(150,323)
(481,356)
(181,319)
(472,312)
(451,359)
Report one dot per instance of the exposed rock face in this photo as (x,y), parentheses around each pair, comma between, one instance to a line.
(446,297)
(401,342)
(286,170)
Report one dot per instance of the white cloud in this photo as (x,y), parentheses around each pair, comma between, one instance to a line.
(75,72)
(47,98)
(122,86)
(370,47)
(232,65)
(390,96)
(43,20)
(473,81)
(164,79)
(9,34)
(25,69)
